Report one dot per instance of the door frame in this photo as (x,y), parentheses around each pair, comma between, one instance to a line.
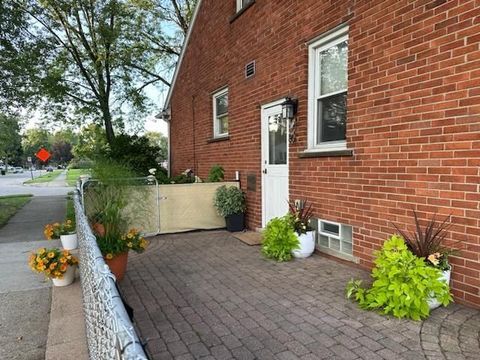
(264,149)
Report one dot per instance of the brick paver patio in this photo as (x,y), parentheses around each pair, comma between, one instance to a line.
(207,295)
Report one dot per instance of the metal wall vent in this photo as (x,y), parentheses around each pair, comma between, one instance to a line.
(250,69)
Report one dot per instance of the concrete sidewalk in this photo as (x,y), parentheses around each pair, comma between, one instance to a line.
(26,297)
(28,223)
(25,303)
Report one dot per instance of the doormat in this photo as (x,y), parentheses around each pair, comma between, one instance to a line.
(249,237)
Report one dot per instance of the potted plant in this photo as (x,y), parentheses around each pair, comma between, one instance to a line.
(58,265)
(230,203)
(66,232)
(427,243)
(402,285)
(301,216)
(115,250)
(52,231)
(68,235)
(279,239)
(114,202)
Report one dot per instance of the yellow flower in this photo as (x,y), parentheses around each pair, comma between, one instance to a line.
(42,251)
(130,244)
(434,259)
(63,260)
(129,236)
(51,254)
(109,256)
(53,266)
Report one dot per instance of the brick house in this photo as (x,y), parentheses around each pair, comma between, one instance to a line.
(408,71)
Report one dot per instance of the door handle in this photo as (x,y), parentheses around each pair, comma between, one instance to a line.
(264,171)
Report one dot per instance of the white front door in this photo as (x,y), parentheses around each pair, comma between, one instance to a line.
(274,162)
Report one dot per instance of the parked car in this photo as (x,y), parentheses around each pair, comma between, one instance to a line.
(18,169)
(10,168)
(49,168)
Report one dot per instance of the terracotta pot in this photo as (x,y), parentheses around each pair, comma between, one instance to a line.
(118,265)
(98,229)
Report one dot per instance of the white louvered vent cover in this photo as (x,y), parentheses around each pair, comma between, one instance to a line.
(250,69)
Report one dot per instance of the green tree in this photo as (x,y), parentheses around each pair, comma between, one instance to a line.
(61,152)
(91,143)
(97,56)
(33,140)
(159,140)
(10,140)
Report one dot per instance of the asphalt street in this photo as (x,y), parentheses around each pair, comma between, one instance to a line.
(12,184)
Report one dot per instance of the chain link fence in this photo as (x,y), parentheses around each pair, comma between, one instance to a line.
(110,332)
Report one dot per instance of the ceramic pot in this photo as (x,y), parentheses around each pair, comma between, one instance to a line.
(307,245)
(432,302)
(68,277)
(118,265)
(69,242)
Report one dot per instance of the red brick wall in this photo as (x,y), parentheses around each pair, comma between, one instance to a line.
(413,112)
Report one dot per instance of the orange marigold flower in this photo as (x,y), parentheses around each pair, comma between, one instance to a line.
(63,267)
(109,256)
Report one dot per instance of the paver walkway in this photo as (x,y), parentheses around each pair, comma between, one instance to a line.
(207,295)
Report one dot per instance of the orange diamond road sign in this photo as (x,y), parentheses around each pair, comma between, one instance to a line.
(43,155)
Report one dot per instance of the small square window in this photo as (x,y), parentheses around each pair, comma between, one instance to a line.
(327,91)
(335,237)
(220,113)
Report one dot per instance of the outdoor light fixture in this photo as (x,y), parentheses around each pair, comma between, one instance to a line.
(289,110)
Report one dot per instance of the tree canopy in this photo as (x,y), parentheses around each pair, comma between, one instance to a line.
(10,139)
(89,60)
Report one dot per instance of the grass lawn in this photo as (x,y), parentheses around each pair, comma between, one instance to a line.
(44,178)
(74,174)
(9,205)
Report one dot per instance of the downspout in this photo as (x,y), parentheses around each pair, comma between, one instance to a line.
(169,150)
(193,137)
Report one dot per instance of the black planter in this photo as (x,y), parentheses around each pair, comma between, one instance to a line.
(235,222)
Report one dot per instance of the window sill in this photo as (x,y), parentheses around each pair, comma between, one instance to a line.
(217,139)
(241,11)
(325,153)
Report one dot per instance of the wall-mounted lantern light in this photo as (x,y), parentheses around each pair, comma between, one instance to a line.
(289,112)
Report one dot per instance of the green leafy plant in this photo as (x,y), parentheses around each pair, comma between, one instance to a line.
(428,242)
(403,283)
(301,216)
(279,239)
(229,200)
(114,201)
(216,173)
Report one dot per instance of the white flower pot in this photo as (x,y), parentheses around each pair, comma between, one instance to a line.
(68,277)
(432,302)
(307,245)
(69,242)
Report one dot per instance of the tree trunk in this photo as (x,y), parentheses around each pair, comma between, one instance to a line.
(107,120)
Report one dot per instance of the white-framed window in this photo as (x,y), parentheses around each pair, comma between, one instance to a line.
(242,3)
(220,113)
(335,237)
(327,91)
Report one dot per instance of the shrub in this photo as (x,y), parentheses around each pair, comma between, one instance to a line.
(79,163)
(229,200)
(216,174)
(402,284)
(279,239)
(134,152)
